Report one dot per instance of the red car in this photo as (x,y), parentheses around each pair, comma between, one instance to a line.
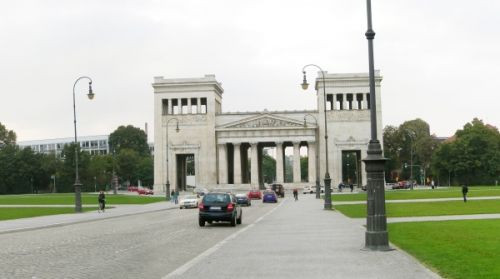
(144,191)
(254,195)
(132,188)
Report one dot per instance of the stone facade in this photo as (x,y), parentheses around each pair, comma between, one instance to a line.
(223,143)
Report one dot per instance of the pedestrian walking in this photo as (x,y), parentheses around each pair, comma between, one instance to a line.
(101,199)
(465,190)
(172,194)
(296,194)
(176,197)
(351,186)
(341,185)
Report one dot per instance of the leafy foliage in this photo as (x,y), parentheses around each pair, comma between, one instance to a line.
(7,136)
(472,155)
(129,137)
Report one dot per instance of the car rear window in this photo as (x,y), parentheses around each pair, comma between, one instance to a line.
(216,198)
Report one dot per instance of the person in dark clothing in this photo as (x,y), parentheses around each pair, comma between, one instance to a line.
(102,201)
(465,190)
(351,186)
(172,194)
(296,194)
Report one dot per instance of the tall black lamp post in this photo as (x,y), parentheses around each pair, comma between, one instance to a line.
(78,185)
(328,180)
(376,236)
(167,188)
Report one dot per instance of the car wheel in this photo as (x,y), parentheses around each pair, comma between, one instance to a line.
(210,222)
(233,221)
(238,221)
(180,207)
(201,222)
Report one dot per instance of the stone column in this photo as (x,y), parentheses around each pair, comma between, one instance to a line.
(311,148)
(237,163)
(198,105)
(296,162)
(363,103)
(346,102)
(189,106)
(222,163)
(280,174)
(254,169)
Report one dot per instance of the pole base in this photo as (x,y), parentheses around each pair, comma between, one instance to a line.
(377,241)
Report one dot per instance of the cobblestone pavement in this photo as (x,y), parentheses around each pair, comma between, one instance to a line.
(147,245)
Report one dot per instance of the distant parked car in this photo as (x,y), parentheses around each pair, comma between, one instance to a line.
(308,190)
(254,194)
(200,191)
(243,200)
(190,201)
(132,188)
(278,189)
(148,191)
(219,207)
(401,185)
(269,196)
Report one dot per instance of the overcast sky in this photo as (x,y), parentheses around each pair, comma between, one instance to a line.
(440,59)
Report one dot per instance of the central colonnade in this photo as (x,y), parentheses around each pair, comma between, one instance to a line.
(233,162)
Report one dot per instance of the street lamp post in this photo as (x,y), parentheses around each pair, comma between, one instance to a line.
(318,187)
(167,188)
(78,185)
(376,236)
(328,180)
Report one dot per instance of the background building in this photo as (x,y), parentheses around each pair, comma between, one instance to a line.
(227,147)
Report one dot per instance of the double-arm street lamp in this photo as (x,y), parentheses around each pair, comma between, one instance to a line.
(78,185)
(376,236)
(328,180)
(167,188)
(318,190)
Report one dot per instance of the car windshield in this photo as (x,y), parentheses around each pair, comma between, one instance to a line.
(216,198)
(268,192)
(241,196)
(190,197)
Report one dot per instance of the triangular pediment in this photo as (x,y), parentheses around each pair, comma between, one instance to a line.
(264,121)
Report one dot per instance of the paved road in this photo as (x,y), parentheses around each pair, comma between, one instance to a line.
(149,245)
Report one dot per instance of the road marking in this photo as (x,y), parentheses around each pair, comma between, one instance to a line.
(182,269)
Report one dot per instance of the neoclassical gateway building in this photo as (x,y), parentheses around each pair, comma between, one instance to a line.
(227,148)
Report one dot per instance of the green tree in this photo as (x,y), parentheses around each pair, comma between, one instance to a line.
(472,155)
(412,144)
(127,163)
(101,169)
(268,168)
(7,136)
(67,173)
(304,169)
(129,137)
(145,170)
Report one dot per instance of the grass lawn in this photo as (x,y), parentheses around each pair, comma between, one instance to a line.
(452,192)
(69,199)
(7,213)
(455,249)
(426,208)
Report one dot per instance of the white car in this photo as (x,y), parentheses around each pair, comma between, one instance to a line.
(309,190)
(190,201)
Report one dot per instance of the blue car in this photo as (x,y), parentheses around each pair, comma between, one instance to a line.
(269,196)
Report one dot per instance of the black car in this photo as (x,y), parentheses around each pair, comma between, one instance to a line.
(279,190)
(219,207)
(243,200)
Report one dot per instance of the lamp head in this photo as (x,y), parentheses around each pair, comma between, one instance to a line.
(305,123)
(91,94)
(304,84)
(177,127)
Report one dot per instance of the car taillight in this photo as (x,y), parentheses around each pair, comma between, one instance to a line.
(201,206)
(230,207)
